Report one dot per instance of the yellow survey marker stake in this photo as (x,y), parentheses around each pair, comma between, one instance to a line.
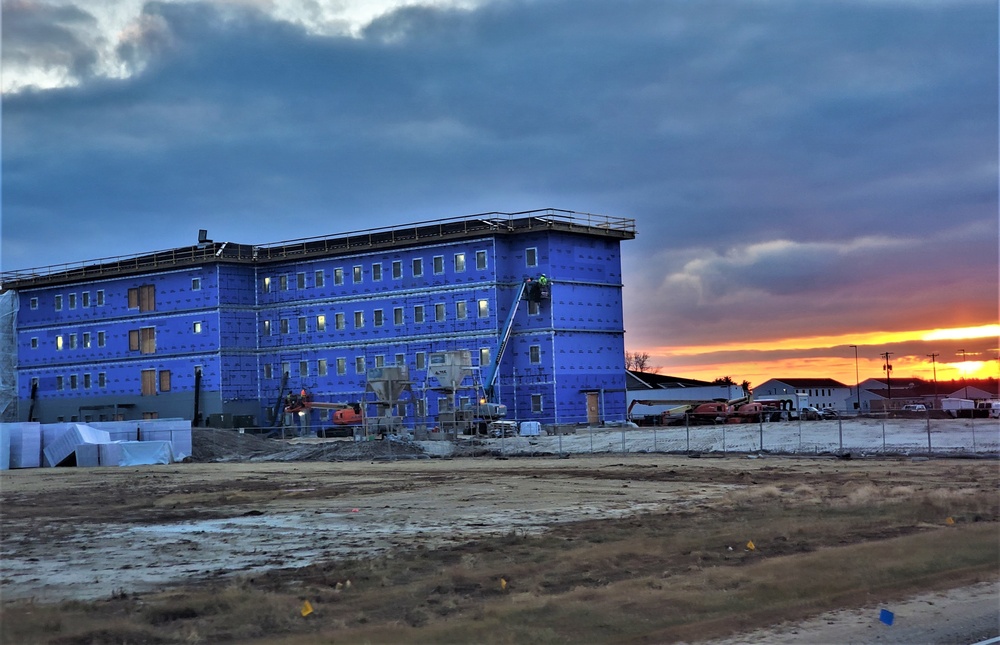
(950,521)
(503,583)
(750,546)
(307,608)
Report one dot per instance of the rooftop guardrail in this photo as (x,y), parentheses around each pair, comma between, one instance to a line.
(454,227)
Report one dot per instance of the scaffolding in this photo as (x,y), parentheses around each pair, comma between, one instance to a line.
(8,356)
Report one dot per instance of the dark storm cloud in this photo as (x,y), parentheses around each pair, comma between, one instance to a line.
(47,36)
(802,162)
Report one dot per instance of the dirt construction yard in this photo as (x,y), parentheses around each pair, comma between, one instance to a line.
(609,549)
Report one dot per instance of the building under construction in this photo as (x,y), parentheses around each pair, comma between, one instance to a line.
(221,333)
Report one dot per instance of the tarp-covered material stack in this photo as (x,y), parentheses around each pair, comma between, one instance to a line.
(88,455)
(25,444)
(101,443)
(64,446)
(119,430)
(4,447)
(176,431)
(135,453)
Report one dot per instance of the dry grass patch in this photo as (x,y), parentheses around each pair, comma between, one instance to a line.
(649,578)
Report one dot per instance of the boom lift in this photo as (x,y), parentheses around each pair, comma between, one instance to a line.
(536,290)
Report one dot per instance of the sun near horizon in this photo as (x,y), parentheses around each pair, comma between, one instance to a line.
(810,357)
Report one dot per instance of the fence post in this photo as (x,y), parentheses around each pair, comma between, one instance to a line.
(723,439)
(654,439)
(972,421)
(840,429)
(623,440)
(928,433)
(590,431)
(687,430)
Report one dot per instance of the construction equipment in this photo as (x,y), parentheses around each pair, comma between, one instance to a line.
(301,405)
(674,414)
(453,372)
(710,413)
(536,291)
(388,384)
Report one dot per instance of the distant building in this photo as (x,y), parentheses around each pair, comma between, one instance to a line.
(822,392)
(650,395)
(223,331)
(879,395)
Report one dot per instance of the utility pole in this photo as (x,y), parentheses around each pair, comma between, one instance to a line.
(965,378)
(857,377)
(887,368)
(934,365)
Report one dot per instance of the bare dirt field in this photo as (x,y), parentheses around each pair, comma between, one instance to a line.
(636,549)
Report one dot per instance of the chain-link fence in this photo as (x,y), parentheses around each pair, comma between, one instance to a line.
(841,436)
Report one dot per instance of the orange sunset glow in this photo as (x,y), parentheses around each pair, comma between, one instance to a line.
(834,357)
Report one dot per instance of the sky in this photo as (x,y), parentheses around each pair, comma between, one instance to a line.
(804,176)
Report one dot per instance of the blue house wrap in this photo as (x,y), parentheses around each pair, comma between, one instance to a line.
(220,332)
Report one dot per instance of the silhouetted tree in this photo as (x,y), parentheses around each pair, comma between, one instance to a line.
(639,362)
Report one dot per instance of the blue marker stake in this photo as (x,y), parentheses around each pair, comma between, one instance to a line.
(886,617)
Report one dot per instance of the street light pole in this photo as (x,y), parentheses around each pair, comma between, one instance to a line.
(857,377)
(934,365)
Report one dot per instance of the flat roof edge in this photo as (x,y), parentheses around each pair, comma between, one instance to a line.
(324,246)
